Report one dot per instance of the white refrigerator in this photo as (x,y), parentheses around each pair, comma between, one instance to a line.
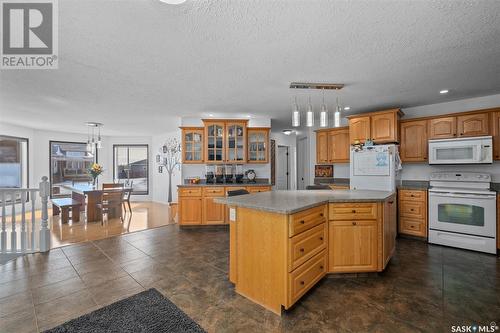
(375,168)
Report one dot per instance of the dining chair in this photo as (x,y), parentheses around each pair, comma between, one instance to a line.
(111,201)
(126,197)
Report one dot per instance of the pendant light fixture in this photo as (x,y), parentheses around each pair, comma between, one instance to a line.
(323,115)
(295,114)
(94,140)
(309,114)
(336,115)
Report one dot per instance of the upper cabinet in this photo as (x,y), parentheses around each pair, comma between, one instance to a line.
(496,139)
(192,145)
(236,135)
(214,146)
(359,129)
(332,145)
(443,128)
(258,145)
(381,126)
(476,124)
(414,141)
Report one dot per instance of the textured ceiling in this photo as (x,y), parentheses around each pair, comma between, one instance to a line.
(136,64)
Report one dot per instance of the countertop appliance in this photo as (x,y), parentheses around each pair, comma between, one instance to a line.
(375,168)
(474,150)
(462,211)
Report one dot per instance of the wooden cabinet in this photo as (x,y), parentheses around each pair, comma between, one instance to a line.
(258,189)
(192,145)
(496,135)
(214,141)
(443,128)
(258,145)
(476,124)
(380,126)
(390,228)
(332,145)
(322,147)
(353,246)
(212,212)
(359,129)
(413,212)
(414,144)
(385,127)
(338,145)
(236,134)
(190,209)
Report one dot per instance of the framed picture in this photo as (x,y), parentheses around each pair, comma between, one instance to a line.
(158,158)
(324,171)
(160,169)
(164,149)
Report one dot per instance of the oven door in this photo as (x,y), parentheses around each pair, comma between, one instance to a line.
(472,214)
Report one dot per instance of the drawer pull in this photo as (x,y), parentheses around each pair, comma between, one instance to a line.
(301,250)
(353,223)
(411,209)
(321,214)
(321,267)
(353,211)
(302,222)
(302,282)
(189,191)
(321,238)
(411,195)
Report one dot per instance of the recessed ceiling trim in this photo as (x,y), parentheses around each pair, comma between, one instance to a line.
(315,85)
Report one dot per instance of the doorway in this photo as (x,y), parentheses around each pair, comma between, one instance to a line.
(283,168)
(302,163)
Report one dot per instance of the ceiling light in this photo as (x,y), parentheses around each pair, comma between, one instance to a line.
(336,115)
(444,91)
(249,116)
(295,114)
(173,2)
(287,131)
(323,115)
(309,114)
(347,108)
(210,114)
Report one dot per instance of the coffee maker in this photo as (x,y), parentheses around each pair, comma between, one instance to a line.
(210,173)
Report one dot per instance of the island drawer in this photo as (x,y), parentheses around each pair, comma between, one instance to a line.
(415,209)
(258,189)
(190,192)
(306,219)
(352,211)
(214,191)
(305,277)
(305,245)
(412,195)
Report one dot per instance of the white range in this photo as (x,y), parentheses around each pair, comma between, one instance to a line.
(462,211)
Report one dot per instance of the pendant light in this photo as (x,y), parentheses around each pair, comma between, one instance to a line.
(295,114)
(337,114)
(323,115)
(309,114)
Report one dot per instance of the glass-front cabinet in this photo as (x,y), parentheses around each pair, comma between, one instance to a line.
(236,141)
(258,145)
(214,146)
(192,145)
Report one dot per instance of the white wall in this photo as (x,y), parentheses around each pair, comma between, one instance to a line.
(291,142)
(160,180)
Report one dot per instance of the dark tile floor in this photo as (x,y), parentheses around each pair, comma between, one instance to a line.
(424,289)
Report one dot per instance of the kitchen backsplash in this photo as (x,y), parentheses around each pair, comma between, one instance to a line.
(198,170)
(420,171)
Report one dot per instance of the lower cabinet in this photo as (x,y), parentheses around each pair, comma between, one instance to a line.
(190,209)
(353,246)
(413,212)
(213,213)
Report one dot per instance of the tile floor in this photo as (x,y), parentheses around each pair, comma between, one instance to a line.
(425,288)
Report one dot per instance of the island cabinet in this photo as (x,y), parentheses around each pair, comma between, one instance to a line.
(413,212)
(414,144)
(380,126)
(361,236)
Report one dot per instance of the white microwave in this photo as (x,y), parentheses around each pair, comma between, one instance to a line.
(474,150)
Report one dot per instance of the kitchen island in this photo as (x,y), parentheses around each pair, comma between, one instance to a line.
(283,242)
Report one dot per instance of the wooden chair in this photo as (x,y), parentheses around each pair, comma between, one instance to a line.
(111,202)
(126,197)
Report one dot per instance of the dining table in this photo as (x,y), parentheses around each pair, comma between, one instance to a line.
(90,196)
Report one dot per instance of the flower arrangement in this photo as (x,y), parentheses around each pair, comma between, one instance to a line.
(95,170)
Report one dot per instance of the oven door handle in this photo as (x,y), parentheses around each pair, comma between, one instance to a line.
(462,195)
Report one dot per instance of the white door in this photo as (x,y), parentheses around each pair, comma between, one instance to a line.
(282,168)
(302,163)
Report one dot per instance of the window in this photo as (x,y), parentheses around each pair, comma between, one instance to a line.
(130,166)
(69,162)
(13,162)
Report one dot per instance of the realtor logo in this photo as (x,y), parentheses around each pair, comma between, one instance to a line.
(29,34)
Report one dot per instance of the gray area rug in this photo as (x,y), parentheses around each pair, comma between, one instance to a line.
(148,311)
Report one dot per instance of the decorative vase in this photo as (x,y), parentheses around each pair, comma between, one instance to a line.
(94,181)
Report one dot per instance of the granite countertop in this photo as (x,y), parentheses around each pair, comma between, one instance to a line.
(414,185)
(258,182)
(289,202)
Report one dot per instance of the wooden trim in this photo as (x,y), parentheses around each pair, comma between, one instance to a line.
(218,120)
(191,127)
(332,129)
(456,114)
(373,113)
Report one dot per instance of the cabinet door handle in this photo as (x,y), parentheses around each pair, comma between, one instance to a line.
(302,282)
(321,267)
(321,214)
(353,223)
(321,238)
(301,250)
(353,211)
(302,222)
(411,195)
